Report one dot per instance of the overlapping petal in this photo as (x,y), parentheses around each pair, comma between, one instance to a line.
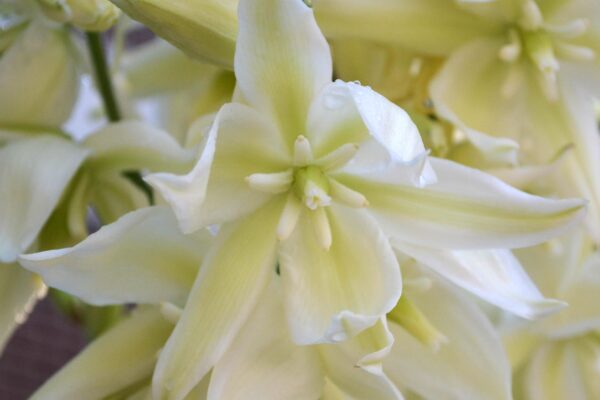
(493,275)
(19,290)
(33,175)
(240,142)
(282,61)
(465,209)
(231,280)
(471,365)
(141,258)
(264,363)
(334,294)
(121,358)
(435,27)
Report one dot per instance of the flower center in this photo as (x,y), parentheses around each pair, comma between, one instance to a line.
(543,44)
(312,187)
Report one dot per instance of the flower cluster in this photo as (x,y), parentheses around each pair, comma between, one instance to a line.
(288,199)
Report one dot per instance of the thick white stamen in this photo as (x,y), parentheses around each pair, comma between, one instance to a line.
(347,196)
(570,30)
(511,51)
(171,312)
(289,217)
(321,227)
(277,182)
(573,52)
(302,152)
(338,158)
(532,17)
(416,65)
(513,82)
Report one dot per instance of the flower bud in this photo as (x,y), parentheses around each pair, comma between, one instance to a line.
(89,15)
(204,29)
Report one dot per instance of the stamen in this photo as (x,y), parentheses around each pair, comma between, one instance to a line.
(289,217)
(511,51)
(339,157)
(171,312)
(302,152)
(513,82)
(277,182)
(532,18)
(416,65)
(347,196)
(321,227)
(573,52)
(570,30)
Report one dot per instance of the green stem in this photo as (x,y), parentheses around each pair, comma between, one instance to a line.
(103,80)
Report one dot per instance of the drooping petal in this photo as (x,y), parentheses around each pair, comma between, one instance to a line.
(282,61)
(135,145)
(494,275)
(38,79)
(350,113)
(334,294)
(123,356)
(263,363)
(141,258)
(355,365)
(183,23)
(471,365)
(466,209)
(240,143)
(33,175)
(435,27)
(19,290)
(231,279)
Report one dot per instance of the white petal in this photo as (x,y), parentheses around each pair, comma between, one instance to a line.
(434,27)
(141,258)
(494,275)
(19,290)
(466,209)
(123,356)
(240,143)
(282,60)
(355,365)
(333,294)
(350,113)
(263,363)
(33,175)
(471,365)
(231,279)
(38,78)
(134,145)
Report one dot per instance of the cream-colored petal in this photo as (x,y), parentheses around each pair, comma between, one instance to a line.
(354,366)
(33,175)
(282,61)
(471,365)
(123,356)
(183,23)
(345,113)
(263,363)
(334,294)
(466,209)
(240,142)
(493,275)
(435,27)
(134,145)
(141,258)
(38,78)
(19,291)
(231,280)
